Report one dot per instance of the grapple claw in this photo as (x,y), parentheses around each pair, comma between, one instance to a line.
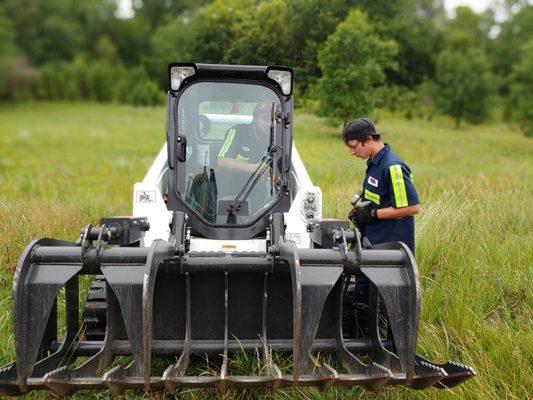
(293,300)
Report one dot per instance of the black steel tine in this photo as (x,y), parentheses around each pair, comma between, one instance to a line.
(53,362)
(377,374)
(311,287)
(33,299)
(289,252)
(8,378)
(399,288)
(427,375)
(264,320)
(64,381)
(456,373)
(114,379)
(222,383)
(270,368)
(379,353)
(180,368)
(99,362)
(129,295)
(159,251)
(121,378)
(183,362)
(331,374)
(71,332)
(328,375)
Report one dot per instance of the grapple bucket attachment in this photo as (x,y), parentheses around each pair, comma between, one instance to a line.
(175,305)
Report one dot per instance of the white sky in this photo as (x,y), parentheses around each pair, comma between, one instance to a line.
(476,5)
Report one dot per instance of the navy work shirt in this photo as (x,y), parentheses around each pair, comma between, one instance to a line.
(388,182)
(242,145)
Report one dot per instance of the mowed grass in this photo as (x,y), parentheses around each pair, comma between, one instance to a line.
(63,166)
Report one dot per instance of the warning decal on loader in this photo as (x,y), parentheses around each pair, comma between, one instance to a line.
(145,196)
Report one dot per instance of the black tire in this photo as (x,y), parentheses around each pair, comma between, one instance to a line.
(94,312)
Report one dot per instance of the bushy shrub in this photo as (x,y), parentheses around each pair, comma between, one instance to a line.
(18,78)
(388,97)
(135,87)
(100,81)
(146,93)
(415,103)
(97,81)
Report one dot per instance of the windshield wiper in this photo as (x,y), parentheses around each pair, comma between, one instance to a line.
(265,162)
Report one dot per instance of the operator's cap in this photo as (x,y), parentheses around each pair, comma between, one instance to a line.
(359,129)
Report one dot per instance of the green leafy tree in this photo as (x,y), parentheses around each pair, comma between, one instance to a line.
(158,12)
(214,28)
(60,39)
(174,41)
(7,50)
(469,25)
(353,62)
(504,51)
(464,85)
(7,35)
(203,35)
(131,38)
(382,11)
(521,98)
(310,22)
(419,42)
(46,30)
(17,76)
(261,36)
(106,50)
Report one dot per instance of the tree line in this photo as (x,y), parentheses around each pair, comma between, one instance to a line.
(350,56)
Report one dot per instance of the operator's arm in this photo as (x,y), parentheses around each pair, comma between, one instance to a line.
(233,164)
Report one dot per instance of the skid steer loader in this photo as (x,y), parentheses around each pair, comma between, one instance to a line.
(226,252)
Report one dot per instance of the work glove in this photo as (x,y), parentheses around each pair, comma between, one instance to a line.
(362,214)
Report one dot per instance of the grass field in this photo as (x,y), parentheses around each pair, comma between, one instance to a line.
(63,166)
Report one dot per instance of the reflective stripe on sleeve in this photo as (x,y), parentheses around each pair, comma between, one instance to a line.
(227,143)
(398,186)
(373,197)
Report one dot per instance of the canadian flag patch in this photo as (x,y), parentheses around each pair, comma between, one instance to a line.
(373,181)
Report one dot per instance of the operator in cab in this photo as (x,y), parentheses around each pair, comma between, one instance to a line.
(245,144)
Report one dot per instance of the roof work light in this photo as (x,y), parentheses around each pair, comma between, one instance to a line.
(178,73)
(283,78)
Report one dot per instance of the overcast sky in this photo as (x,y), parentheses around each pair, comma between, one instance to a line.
(476,5)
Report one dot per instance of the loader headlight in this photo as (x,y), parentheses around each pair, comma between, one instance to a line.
(178,73)
(283,78)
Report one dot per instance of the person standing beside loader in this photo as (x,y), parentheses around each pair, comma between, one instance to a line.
(389,202)
(390,198)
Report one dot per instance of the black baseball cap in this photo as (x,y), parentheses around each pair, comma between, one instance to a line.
(359,129)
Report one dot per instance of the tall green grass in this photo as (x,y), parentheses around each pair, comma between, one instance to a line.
(63,166)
